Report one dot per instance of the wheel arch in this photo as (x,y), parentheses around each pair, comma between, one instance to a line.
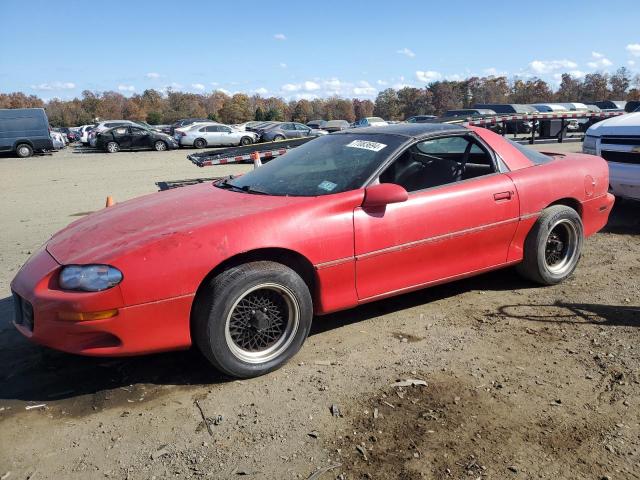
(290,258)
(568,202)
(21,141)
(200,138)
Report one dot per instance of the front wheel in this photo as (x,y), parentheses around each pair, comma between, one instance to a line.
(553,247)
(246,141)
(160,146)
(24,150)
(112,147)
(199,143)
(252,318)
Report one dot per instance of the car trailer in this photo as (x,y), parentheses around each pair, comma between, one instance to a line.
(537,118)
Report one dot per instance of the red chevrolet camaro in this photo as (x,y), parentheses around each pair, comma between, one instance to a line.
(240,267)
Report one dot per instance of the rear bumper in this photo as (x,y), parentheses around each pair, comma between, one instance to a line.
(595,213)
(136,329)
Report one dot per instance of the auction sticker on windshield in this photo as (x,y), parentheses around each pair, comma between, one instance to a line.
(366,145)
(327,185)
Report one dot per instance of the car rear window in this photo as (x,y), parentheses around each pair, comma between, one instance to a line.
(533,155)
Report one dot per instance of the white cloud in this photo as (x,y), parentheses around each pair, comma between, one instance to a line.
(427,76)
(310,86)
(153,75)
(364,88)
(198,86)
(280,36)
(54,86)
(224,90)
(304,96)
(126,88)
(290,87)
(261,91)
(382,83)
(631,63)
(599,61)
(214,84)
(405,51)
(633,49)
(550,66)
(283,65)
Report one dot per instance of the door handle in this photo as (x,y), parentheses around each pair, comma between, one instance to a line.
(502,196)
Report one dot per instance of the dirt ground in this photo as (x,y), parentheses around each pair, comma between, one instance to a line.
(521,382)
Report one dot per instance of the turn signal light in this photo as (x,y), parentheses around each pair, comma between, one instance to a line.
(84,316)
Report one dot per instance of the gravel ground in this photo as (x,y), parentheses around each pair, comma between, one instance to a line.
(521,382)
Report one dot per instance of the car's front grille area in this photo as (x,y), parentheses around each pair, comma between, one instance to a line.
(620,141)
(621,157)
(23,312)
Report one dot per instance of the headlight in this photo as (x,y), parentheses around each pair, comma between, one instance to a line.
(89,278)
(589,143)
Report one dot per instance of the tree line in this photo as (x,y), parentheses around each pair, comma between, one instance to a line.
(156,108)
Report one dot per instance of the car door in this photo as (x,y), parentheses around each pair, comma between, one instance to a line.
(289,130)
(140,138)
(302,130)
(226,134)
(122,136)
(214,135)
(449,226)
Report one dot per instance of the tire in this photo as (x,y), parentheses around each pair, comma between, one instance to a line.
(112,147)
(553,247)
(160,146)
(232,336)
(24,150)
(246,141)
(199,143)
(278,138)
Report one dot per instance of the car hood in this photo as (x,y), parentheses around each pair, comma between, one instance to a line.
(628,124)
(112,232)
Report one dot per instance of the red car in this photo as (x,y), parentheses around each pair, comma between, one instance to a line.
(240,267)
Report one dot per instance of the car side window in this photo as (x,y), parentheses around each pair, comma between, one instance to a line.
(225,129)
(120,131)
(439,161)
(301,127)
(138,131)
(210,128)
(288,126)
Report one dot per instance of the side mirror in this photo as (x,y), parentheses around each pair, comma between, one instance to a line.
(384,194)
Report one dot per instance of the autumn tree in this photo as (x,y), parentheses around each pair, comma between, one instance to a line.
(302,111)
(414,101)
(362,108)
(619,83)
(387,105)
(570,90)
(595,87)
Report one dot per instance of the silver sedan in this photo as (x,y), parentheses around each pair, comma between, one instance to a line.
(201,136)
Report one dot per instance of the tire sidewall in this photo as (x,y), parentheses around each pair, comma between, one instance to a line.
(199,143)
(226,290)
(541,240)
(112,143)
(28,149)
(155,145)
(245,141)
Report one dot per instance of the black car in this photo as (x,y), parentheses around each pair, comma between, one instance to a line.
(420,118)
(133,138)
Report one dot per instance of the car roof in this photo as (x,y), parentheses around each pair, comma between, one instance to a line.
(408,130)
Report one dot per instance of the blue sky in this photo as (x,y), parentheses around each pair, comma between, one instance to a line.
(307,49)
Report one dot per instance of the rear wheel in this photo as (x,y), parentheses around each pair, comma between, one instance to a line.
(246,141)
(252,318)
(200,143)
(552,248)
(278,138)
(24,150)
(160,146)
(112,147)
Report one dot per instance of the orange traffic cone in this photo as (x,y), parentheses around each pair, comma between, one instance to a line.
(110,202)
(255,156)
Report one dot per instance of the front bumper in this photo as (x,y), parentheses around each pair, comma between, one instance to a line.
(624,180)
(136,329)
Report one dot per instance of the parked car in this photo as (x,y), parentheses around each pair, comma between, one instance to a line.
(133,137)
(549,107)
(468,112)
(246,125)
(185,122)
(24,131)
(71,134)
(611,105)
(317,124)
(240,266)
(58,140)
(282,130)
(84,133)
(213,134)
(370,122)
(617,140)
(420,118)
(335,125)
(104,126)
(632,106)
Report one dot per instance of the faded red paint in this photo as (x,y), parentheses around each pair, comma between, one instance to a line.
(166,243)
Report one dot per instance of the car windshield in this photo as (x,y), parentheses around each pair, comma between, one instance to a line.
(329,164)
(533,155)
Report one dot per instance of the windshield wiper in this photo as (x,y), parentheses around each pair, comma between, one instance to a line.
(246,188)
